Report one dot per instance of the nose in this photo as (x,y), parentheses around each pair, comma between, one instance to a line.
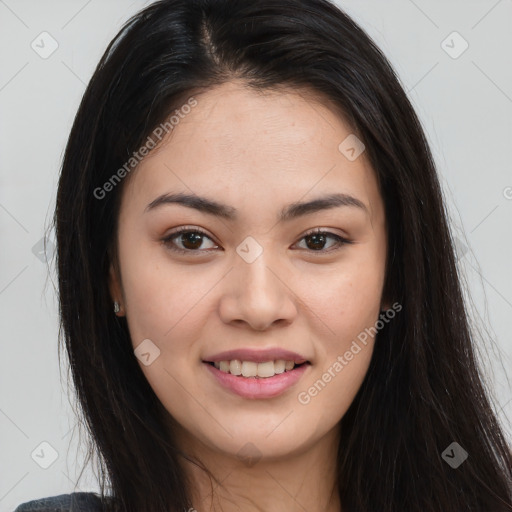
(258,294)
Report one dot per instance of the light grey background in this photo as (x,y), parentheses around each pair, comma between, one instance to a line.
(465,105)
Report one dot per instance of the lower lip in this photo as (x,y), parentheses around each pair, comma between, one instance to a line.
(254,388)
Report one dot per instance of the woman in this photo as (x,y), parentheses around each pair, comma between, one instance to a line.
(258,287)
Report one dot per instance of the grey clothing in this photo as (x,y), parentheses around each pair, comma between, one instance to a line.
(74,502)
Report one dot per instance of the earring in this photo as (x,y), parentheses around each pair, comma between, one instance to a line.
(116,307)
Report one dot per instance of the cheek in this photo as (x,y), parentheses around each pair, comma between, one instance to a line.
(347,299)
(348,306)
(326,397)
(160,298)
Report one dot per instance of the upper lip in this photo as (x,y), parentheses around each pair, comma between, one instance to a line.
(257,355)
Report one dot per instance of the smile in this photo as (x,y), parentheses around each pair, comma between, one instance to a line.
(252,382)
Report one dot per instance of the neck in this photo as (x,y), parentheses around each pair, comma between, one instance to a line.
(302,481)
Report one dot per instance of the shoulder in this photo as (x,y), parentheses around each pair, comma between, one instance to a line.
(74,502)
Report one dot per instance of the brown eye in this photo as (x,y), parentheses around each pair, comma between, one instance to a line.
(190,239)
(317,239)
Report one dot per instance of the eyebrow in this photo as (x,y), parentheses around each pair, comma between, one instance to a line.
(289,212)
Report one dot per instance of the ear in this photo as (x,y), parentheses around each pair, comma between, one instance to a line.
(115,288)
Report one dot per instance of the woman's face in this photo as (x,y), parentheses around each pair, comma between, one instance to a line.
(256,279)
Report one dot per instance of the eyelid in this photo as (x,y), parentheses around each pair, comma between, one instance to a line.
(188,229)
(328,231)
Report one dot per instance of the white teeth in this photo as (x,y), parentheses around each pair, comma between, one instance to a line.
(249,369)
(235,367)
(266,369)
(279,366)
(252,369)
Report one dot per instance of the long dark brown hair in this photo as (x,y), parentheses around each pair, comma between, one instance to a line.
(424,388)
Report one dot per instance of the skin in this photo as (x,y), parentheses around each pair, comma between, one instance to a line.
(256,152)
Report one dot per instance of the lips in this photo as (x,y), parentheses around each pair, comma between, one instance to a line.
(255,388)
(245,383)
(257,356)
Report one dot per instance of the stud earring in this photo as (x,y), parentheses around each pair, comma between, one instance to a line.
(116,307)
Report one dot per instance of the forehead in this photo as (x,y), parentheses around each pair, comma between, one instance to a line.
(280,145)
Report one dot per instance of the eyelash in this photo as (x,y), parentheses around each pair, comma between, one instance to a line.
(167,241)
